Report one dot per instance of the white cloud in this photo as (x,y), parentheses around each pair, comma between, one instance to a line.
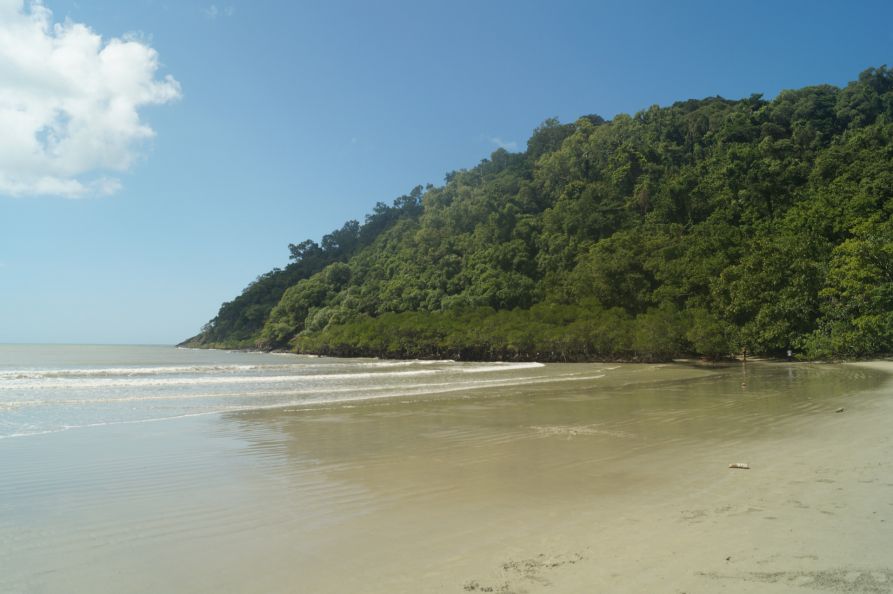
(69,103)
(509,145)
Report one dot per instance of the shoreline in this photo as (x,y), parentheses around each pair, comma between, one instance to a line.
(880,357)
(617,484)
(434,392)
(431,393)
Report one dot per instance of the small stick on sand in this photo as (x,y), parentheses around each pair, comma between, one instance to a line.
(740,465)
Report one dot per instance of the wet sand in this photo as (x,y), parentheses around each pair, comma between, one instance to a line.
(614,484)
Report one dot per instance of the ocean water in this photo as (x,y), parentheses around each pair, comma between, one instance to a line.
(51,388)
(139,470)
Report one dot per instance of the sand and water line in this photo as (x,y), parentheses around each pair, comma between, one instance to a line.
(156,469)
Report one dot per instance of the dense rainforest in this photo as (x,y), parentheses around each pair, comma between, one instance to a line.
(704,228)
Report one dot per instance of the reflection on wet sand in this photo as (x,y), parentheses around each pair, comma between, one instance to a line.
(614,483)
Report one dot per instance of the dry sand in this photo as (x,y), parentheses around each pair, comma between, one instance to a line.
(618,484)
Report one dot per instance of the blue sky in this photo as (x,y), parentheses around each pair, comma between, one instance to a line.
(284,119)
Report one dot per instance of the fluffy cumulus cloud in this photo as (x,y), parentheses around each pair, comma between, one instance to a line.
(69,103)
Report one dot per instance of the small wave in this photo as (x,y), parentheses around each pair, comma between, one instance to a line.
(310,397)
(500,367)
(62,428)
(377,364)
(318,390)
(253,394)
(30,433)
(127,372)
(14,404)
(115,382)
(324,398)
(138,371)
(410,362)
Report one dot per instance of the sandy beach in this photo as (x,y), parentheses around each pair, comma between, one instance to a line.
(615,484)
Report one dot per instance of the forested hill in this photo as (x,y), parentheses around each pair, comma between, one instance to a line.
(702,228)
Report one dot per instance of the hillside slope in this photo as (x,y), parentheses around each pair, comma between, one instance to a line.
(705,228)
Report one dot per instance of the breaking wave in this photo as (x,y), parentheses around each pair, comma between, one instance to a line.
(38,400)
